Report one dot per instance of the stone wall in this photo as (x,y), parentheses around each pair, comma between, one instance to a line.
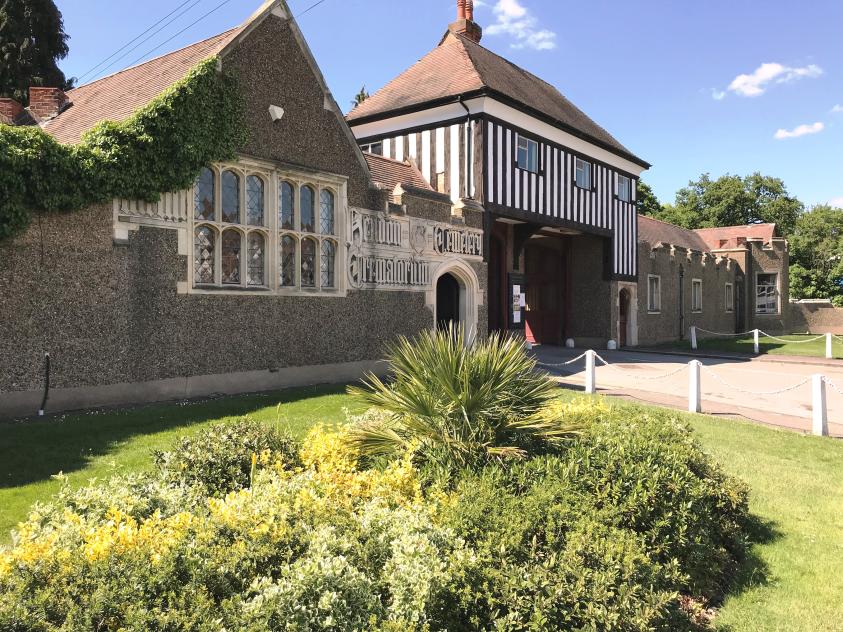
(816,317)
(677,266)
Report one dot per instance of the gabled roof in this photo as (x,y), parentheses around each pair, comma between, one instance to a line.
(117,96)
(461,67)
(734,236)
(655,231)
(390,173)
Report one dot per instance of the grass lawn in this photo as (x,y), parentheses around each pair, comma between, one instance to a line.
(796,345)
(792,582)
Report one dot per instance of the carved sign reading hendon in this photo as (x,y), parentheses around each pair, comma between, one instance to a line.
(388,252)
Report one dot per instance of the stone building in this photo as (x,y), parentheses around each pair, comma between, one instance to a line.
(465,190)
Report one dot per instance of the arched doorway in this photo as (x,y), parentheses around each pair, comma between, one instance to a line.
(447,301)
(623,317)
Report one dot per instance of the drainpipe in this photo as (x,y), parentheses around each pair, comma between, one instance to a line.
(46,385)
(467,147)
(681,303)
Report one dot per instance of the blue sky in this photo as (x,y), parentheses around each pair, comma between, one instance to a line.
(717,86)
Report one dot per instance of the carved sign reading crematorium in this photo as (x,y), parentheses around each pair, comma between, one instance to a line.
(392,253)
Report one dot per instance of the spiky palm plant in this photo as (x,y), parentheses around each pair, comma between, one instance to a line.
(458,405)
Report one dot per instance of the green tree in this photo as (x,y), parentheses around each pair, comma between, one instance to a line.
(648,203)
(32,40)
(359,97)
(731,200)
(816,255)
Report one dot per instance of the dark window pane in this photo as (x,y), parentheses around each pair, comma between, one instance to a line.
(230,197)
(327,261)
(256,259)
(285,202)
(326,213)
(254,200)
(307,210)
(203,255)
(231,245)
(308,263)
(288,261)
(203,199)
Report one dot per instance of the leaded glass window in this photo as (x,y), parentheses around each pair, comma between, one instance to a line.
(306,208)
(326,208)
(231,246)
(308,262)
(327,261)
(204,241)
(254,201)
(257,253)
(287,214)
(288,261)
(203,198)
(230,197)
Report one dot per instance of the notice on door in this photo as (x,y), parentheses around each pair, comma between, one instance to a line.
(516,303)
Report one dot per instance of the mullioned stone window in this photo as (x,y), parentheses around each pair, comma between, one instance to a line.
(265,231)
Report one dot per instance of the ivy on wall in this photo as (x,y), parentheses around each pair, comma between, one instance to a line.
(160,148)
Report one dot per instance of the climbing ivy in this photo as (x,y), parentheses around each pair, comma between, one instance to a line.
(160,148)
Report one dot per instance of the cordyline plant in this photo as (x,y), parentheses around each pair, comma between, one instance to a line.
(454,405)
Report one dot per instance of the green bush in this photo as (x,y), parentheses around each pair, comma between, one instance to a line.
(453,404)
(219,459)
(606,534)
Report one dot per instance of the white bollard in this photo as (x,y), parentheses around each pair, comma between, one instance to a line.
(828,346)
(694,405)
(693,336)
(819,412)
(755,341)
(590,385)
(569,343)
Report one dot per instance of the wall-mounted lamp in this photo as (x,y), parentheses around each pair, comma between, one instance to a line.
(276,112)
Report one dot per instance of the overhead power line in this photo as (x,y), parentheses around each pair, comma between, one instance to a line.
(139,36)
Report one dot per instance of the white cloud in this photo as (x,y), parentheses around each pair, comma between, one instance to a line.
(837,109)
(798,131)
(836,202)
(718,95)
(755,84)
(515,20)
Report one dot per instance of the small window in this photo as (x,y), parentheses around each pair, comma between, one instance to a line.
(306,208)
(328,263)
(254,201)
(696,295)
(729,300)
(624,189)
(230,197)
(654,294)
(308,262)
(257,252)
(374,148)
(204,241)
(326,211)
(285,205)
(528,155)
(203,197)
(583,174)
(231,247)
(288,261)
(766,294)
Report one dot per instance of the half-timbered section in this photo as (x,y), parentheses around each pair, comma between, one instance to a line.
(557,190)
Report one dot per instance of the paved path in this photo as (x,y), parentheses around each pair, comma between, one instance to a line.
(729,387)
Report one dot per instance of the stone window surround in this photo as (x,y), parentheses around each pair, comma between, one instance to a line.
(777,286)
(272,175)
(729,298)
(696,283)
(658,303)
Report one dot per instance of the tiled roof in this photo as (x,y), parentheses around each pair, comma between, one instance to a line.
(390,172)
(116,96)
(734,236)
(459,66)
(654,231)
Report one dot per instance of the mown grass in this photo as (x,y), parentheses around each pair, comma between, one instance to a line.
(796,345)
(792,581)
(98,444)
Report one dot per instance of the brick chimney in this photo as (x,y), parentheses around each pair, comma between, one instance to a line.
(10,110)
(45,103)
(465,24)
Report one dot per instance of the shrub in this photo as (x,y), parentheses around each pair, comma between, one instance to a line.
(454,405)
(219,459)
